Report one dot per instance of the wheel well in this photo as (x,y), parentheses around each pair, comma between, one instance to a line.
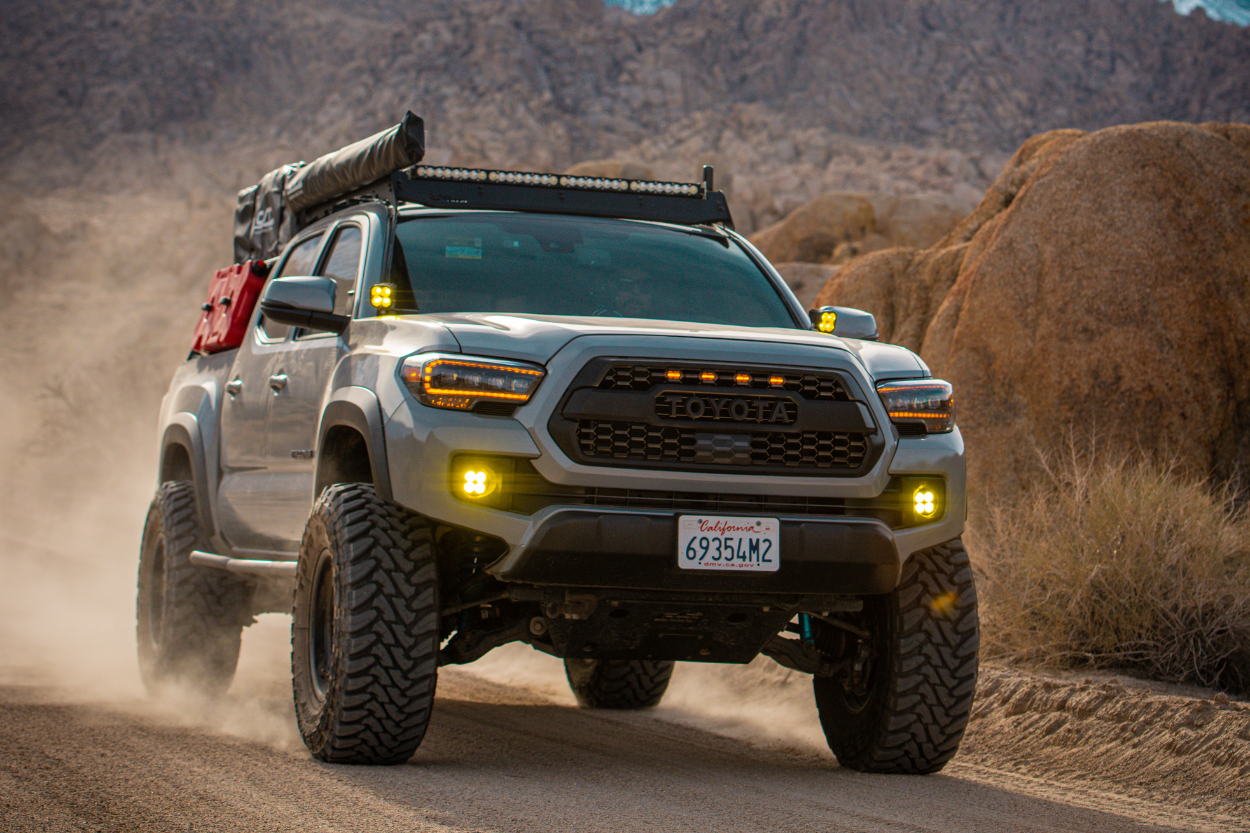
(176,464)
(344,458)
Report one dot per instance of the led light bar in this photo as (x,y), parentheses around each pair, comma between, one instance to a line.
(585,183)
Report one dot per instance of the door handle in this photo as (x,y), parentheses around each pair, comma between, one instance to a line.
(234,386)
(278,382)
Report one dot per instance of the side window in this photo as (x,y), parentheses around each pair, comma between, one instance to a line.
(343,265)
(301,261)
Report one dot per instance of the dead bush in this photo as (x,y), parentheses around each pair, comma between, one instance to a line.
(1122,564)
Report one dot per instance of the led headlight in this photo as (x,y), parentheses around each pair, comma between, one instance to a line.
(460,382)
(927,402)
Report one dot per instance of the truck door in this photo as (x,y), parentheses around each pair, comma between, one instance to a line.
(245,495)
(299,381)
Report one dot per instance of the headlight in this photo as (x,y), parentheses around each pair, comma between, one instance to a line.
(927,402)
(460,382)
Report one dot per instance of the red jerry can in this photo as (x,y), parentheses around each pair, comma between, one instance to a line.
(232,296)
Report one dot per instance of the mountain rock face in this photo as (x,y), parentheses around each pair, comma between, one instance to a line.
(559,81)
(1102,287)
(833,228)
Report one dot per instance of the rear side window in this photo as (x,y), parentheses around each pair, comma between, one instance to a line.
(301,261)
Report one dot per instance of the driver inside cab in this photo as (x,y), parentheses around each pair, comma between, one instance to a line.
(627,293)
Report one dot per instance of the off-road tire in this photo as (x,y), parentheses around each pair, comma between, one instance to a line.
(618,683)
(189,619)
(365,635)
(908,712)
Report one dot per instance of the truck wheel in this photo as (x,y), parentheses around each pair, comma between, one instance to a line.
(618,683)
(903,705)
(365,635)
(189,619)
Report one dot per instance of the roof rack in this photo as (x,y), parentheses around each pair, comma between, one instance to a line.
(385,167)
(671,202)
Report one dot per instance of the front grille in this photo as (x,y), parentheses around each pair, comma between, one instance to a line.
(713,418)
(639,441)
(644,377)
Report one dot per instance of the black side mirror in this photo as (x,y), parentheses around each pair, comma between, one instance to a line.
(846,322)
(303,302)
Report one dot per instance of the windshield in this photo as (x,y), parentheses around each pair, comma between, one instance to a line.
(559,265)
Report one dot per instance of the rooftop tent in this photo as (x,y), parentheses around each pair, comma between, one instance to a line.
(269,213)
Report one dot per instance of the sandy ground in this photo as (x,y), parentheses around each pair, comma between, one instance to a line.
(82,748)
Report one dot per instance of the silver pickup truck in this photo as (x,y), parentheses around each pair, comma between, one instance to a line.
(478,407)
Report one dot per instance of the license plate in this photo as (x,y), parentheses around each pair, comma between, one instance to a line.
(720,543)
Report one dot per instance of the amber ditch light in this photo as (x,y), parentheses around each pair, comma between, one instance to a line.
(828,320)
(382,296)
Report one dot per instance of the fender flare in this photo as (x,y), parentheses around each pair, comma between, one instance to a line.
(184,430)
(357,408)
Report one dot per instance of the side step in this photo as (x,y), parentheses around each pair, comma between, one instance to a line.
(245,566)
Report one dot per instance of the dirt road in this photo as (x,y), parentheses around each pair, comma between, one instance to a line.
(507,751)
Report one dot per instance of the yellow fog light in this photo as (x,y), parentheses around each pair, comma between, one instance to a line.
(478,482)
(382,296)
(925,502)
(482,479)
(828,320)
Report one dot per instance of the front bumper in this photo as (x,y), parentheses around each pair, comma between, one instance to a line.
(634,546)
(637,551)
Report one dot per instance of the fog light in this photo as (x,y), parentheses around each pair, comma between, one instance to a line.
(476,481)
(925,502)
(479,482)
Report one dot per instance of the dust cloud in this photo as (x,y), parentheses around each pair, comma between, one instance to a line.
(99,294)
(760,703)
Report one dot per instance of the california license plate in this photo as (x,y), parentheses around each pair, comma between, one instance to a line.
(720,543)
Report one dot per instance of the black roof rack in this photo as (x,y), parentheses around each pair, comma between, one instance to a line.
(670,202)
(385,167)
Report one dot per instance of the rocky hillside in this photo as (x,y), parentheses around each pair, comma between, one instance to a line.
(1099,288)
(551,82)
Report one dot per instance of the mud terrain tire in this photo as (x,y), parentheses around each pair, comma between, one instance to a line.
(189,619)
(903,709)
(365,635)
(617,683)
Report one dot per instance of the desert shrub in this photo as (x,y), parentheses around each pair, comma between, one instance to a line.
(1125,564)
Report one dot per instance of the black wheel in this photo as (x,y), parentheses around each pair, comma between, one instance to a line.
(189,619)
(904,703)
(618,683)
(364,640)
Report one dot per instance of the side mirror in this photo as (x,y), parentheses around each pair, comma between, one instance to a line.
(846,322)
(303,302)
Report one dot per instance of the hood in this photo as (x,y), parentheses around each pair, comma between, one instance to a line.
(537,339)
